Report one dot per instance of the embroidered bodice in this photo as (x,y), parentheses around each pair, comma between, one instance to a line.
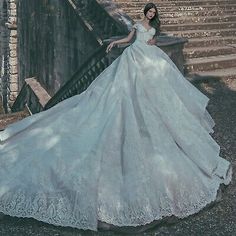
(143,34)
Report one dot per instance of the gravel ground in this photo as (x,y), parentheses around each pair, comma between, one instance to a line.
(217,219)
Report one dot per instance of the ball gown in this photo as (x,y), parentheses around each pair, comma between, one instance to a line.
(133,148)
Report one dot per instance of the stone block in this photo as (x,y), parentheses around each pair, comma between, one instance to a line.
(13,87)
(13,78)
(13,53)
(12,19)
(12,12)
(13,61)
(12,5)
(13,33)
(13,69)
(13,40)
(12,96)
(12,46)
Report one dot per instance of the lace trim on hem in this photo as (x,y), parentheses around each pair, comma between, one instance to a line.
(190,211)
(57,210)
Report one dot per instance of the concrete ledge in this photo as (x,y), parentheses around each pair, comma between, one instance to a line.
(38,90)
(32,95)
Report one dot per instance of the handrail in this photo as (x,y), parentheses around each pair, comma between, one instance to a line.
(86,73)
(97,19)
(102,25)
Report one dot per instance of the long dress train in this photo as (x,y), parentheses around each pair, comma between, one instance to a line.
(133,148)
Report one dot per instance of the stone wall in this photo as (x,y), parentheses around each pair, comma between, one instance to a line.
(8,52)
(53,42)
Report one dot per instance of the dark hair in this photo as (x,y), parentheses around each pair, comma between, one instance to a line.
(155,21)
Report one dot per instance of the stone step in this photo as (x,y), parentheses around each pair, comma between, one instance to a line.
(209,26)
(210,41)
(210,63)
(208,51)
(210,12)
(204,33)
(199,26)
(186,3)
(198,19)
(229,73)
(135,8)
(138,14)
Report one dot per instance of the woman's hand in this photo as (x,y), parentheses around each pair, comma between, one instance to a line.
(110,46)
(152,42)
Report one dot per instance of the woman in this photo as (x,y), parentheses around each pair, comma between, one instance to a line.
(150,21)
(132,149)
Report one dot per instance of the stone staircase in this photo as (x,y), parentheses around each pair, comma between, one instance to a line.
(209,26)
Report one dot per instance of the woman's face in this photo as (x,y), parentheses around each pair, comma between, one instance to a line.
(150,13)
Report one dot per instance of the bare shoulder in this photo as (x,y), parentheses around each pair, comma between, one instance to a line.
(135,25)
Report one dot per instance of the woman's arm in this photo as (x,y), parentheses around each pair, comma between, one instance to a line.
(152,41)
(124,40)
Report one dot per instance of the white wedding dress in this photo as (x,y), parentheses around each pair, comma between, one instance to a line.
(133,148)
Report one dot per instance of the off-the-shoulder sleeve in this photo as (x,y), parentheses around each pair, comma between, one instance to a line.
(135,26)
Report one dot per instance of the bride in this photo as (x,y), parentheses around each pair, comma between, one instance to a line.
(130,150)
